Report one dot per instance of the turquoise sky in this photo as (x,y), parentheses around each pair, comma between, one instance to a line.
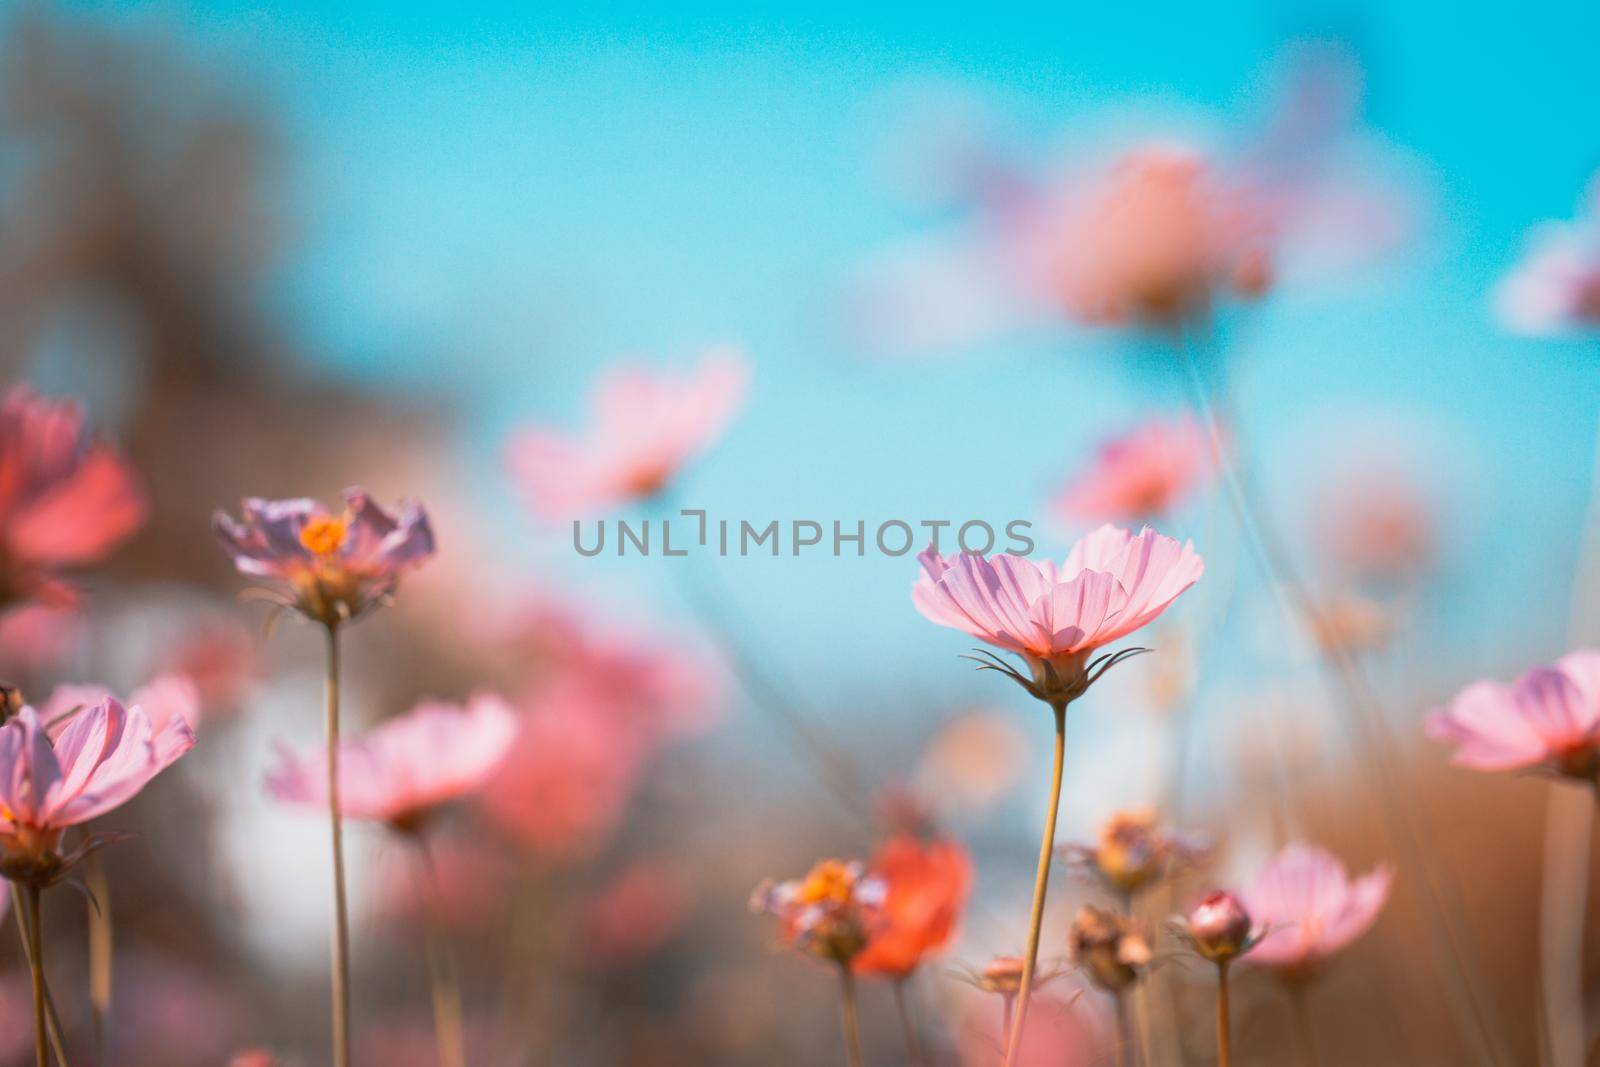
(490,201)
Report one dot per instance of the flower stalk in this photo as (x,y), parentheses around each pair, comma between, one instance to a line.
(341,919)
(36,970)
(1041,885)
(851,1016)
(1224,1036)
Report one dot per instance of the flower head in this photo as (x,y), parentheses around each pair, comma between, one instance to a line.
(65,500)
(333,568)
(1549,717)
(1555,289)
(646,426)
(1112,949)
(408,766)
(1309,908)
(1219,927)
(635,915)
(925,889)
(101,757)
(1133,852)
(830,913)
(1112,583)
(1140,475)
(1157,238)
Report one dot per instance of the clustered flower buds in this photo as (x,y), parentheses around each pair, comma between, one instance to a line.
(830,913)
(1113,950)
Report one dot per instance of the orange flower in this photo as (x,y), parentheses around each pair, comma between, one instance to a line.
(927,884)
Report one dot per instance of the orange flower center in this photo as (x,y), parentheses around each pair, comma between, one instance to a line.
(324,535)
(829,881)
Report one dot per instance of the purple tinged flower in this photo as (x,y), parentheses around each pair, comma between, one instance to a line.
(332,568)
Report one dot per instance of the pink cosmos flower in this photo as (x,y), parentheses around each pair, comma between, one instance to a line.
(646,426)
(168,701)
(65,500)
(565,785)
(1063,1032)
(1555,289)
(1143,474)
(405,767)
(1154,234)
(635,915)
(333,567)
(103,756)
(1308,908)
(1156,238)
(659,686)
(1549,717)
(1112,583)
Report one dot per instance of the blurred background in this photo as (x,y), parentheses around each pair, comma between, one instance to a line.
(282,249)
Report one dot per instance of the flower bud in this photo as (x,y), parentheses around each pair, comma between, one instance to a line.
(1002,975)
(1111,948)
(1219,927)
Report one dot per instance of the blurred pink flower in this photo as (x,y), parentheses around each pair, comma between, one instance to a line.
(254,1057)
(1112,583)
(407,766)
(469,884)
(168,1010)
(1550,717)
(646,425)
(1153,234)
(39,636)
(660,687)
(219,658)
(65,500)
(1141,475)
(565,784)
(1156,238)
(1057,1034)
(16,1016)
(1555,289)
(105,754)
(333,567)
(1308,908)
(635,915)
(1377,526)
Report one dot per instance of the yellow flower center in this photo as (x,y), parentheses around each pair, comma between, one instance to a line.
(324,535)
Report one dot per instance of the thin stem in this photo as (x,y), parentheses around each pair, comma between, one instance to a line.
(1041,884)
(1295,600)
(36,968)
(1224,1037)
(100,955)
(913,1043)
(19,905)
(1008,1008)
(829,762)
(341,918)
(444,984)
(1300,1011)
(851,1016)
(1124,1027)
